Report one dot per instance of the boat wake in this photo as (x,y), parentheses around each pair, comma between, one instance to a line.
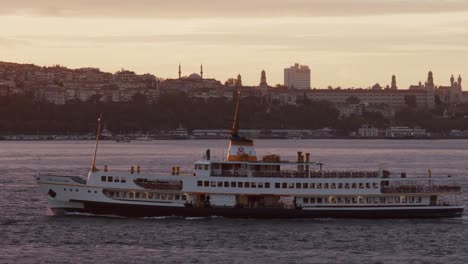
(183,218)
(93,215)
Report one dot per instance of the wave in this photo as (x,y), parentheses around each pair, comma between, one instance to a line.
(93,215)
(8,222)
(181,217)
(161,217)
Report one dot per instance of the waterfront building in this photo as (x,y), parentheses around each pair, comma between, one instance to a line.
(384,109)
(394,98)
(51,94)
(452,94)
(368,131)
(423,95)
(464,97)
(285,96)
(297,77)
(4,90)
(125,76)
(346,110)
(405,132)
(209,93)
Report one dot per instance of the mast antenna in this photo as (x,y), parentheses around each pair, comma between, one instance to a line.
(98,133)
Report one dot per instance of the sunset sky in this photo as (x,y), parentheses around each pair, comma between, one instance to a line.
(348,43)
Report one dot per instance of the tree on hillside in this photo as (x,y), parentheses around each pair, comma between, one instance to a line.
(95,98)
(139,98)
(353,100)
(410,100)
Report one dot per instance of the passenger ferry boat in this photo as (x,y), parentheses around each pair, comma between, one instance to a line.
(244,186)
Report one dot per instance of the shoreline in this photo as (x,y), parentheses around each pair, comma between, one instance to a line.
(130,139)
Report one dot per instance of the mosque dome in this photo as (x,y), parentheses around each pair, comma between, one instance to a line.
(194,76)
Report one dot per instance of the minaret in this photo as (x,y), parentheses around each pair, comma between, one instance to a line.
(180,71)
(201,71)
(263,78)
(459,80)
(430,79)
(430,91)
(452,80)
(394,86)
(263,84)
(239,80)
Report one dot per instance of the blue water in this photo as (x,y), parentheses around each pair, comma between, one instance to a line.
(29,235)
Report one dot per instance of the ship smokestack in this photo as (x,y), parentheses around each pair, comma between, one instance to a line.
(299,155)
(307,159)
(299,160)
(208,154)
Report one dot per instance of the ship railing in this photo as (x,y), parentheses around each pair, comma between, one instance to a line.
(421,189)
(344,174)
(280,174)
(297,174)
(229,173)
(159,185)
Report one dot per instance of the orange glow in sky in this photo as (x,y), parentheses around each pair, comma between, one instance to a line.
(352,43)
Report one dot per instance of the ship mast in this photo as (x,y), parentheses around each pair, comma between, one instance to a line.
(235,125)
(240,148)
(93,167)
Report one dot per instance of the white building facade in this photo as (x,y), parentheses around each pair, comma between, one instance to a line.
(297,76)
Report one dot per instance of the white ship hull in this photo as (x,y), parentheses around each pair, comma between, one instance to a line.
(72,195)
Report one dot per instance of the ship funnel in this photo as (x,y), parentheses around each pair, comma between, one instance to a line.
(299,156)
(208,154)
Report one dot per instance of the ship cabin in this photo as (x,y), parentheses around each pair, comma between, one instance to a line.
(242,161)
(269,166)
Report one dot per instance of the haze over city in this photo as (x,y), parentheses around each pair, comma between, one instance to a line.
(354,43)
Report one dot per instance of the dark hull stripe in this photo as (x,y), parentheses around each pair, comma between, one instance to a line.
(260,213)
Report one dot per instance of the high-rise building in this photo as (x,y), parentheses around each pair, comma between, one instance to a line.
(297,76)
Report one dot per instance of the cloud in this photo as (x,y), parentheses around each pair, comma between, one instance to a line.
(13,42)
(227,8)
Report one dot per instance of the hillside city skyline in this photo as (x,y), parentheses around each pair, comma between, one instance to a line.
(358,44)
(438,80)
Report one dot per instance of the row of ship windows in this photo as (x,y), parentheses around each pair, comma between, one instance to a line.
(71,190)
(354,200)
(201,167)
(145,195)
(113,179)
(291,185)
